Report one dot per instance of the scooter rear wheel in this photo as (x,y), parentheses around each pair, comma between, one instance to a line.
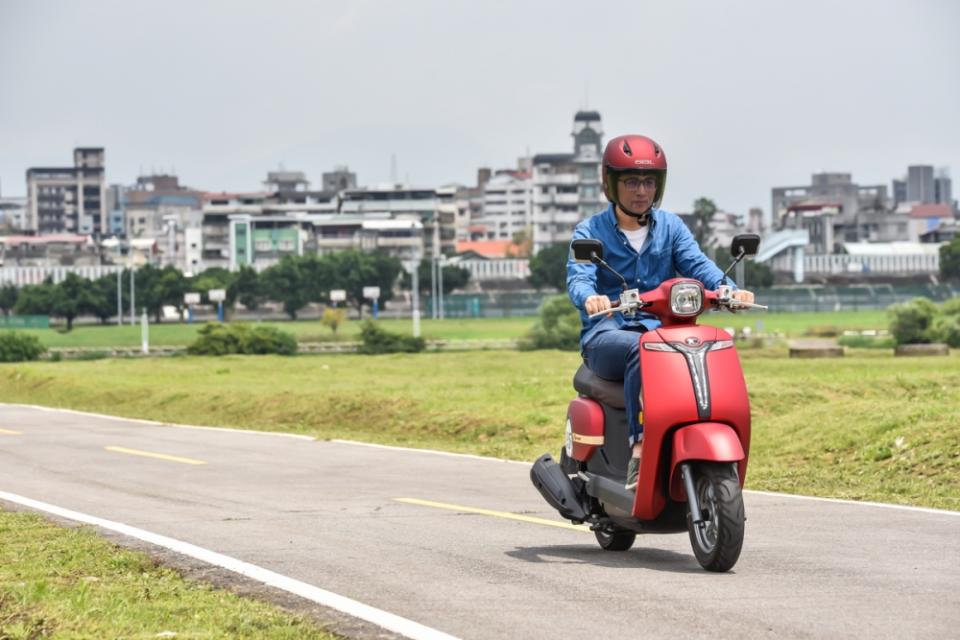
(717,543)
(615,540)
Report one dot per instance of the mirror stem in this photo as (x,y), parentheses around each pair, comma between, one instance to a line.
(595,259)
(734,263)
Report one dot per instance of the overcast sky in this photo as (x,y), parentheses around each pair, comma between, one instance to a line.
(743,96)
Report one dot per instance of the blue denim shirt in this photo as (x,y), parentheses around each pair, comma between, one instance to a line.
(668,251)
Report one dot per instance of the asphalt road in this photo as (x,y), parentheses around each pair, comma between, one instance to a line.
(452,556)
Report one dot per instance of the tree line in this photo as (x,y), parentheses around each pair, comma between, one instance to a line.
(294,282)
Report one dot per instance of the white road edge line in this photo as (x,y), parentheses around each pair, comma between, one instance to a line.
(155,423)
(882,505)
(389,621)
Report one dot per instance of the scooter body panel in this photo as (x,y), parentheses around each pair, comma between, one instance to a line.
(686,380)
(586,427)
(712,441)
(668,399)
(730,403)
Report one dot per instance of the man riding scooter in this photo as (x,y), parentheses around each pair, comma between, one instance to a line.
(647,245)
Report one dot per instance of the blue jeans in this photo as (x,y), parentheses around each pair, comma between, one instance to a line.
(615,355)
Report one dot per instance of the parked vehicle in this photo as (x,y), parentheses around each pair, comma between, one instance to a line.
(696,416)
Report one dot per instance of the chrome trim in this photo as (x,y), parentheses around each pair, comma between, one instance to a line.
(663,347)
(721,344)
(697,363)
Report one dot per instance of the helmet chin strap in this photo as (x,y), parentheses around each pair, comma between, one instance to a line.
(642,218)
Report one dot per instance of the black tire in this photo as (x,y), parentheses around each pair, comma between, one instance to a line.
(616,540)
(718,543)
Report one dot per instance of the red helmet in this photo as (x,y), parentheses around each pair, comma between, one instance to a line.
(633,154)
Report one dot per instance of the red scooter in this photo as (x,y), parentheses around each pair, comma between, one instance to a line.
(696,416)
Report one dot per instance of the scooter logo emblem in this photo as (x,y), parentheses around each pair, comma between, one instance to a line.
(692,341)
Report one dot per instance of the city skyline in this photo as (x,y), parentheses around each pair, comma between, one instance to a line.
(224,92)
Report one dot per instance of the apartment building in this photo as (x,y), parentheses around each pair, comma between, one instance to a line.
(69,199)
(506,206)
(835,210)
(439,223)
(566,187)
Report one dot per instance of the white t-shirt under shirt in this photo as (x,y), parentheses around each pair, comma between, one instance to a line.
(637,237)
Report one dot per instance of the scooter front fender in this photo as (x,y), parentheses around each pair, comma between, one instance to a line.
(708,441)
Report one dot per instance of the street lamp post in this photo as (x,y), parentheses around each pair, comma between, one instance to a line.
(440,263)
(413,268)
(119,297)
(133,298)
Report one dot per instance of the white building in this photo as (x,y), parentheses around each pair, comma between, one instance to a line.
(13,213)
(566,187)
(507,206)
(404,203)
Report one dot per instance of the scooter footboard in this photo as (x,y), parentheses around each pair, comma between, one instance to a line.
(711,441)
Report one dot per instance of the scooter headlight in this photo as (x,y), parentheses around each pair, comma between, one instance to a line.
(686,298)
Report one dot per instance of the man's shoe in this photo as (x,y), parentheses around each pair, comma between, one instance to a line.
(633,471)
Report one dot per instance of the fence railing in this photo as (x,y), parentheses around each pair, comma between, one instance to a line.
(23,276)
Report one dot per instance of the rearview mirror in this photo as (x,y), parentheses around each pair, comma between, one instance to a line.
(746,244)
(585,249)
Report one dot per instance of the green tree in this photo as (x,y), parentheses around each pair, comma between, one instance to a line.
(317,275)
(549,267)
(353,270)
(215,278)
(950,260)
(703,211)
(286,283)
(157,288)
(71,298)
(36,299)
(8,298)
(103,298)
(454,277)
(247,288)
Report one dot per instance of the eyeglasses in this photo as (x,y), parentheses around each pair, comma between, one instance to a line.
(634,183)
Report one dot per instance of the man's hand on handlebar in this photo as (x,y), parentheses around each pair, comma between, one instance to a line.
(596,304)
(742,295)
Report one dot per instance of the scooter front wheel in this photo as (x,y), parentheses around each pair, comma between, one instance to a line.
(717,541)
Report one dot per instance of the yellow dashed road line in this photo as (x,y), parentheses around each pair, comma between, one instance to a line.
(158,456)
(10,432)
(494,514)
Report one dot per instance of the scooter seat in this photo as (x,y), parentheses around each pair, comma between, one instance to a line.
(604,391)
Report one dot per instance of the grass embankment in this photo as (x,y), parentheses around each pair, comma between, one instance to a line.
(178,334)
(869,426)
(70,583)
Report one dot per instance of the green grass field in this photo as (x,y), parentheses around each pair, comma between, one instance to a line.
(177,334)
(869,426)
(70,583)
